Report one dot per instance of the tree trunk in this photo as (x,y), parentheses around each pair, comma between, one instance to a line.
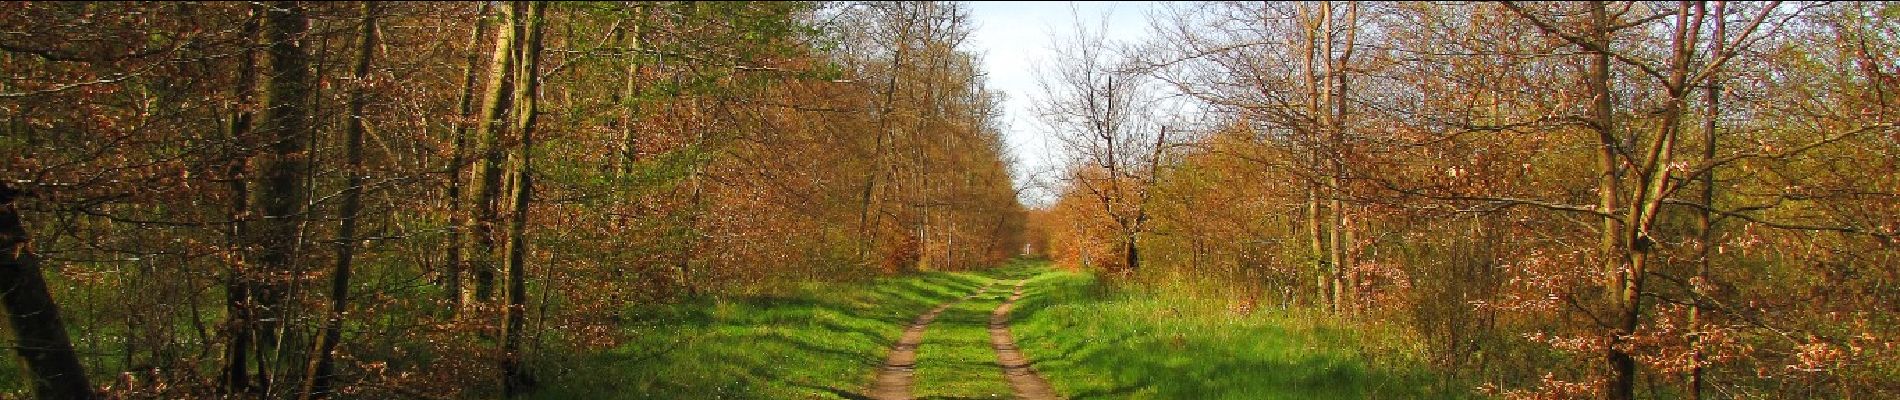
(1610,244)
(1317,235)
(318,377)
(40,336)
(1705,223)
(1133,253)
(1647,202)
(1341,233)
(1602,118)
(868,217)
(235,375)
(286,168)
(626,98)
(453,266)
(1309,50)
(490,129)
(516,379)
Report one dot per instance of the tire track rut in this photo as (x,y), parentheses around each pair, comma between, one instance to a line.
(1016,367)
(897,376)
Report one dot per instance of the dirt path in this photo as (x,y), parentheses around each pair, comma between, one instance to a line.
(1022,379)
(896,377)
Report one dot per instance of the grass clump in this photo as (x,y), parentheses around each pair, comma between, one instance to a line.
(1141,344)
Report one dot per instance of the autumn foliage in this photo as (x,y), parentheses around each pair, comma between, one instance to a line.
(662,151)
(1555,200)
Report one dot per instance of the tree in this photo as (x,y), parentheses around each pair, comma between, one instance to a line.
(490,129)
(453,265)
(516,379)
(1231,56)
(1108,115)
(32,316)
(281,191)
(319,375)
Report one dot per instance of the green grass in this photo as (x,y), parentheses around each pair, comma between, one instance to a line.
(823,341)
(1092,344)
(956,361)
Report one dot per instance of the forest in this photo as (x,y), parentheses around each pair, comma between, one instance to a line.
(826,200)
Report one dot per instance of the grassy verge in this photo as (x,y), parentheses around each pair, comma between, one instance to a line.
(1091,344)
(824,341)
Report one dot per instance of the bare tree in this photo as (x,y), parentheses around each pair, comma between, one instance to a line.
(1108,114)
(1283,69)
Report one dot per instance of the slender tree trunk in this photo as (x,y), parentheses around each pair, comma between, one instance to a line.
(1316,239)
(1349,277)
(868,204)
(1342,227)
(235,376)
(516,379)
(1315,211)
(1133,253)
(1602,117)
(627,99)
(1705,223)
(1610,241)
(286,169)
(682,267)
(1335,253)
(40,338)
(453,267)
(318,377)
(490,130)
(1654,177)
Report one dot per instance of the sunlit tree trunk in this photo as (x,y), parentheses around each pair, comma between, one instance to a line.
(1659,151)
(516,379)
(490,128)
(1342,228)
(1317,220)
(1603,121)
(626,98)
(454,265)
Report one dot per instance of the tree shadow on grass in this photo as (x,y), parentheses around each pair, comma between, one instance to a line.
(1117,392)
(841,393)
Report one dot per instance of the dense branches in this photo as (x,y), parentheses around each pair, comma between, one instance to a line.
(596,157)
(1659,187)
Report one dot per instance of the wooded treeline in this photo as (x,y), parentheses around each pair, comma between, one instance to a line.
(435,199)
(1550,200)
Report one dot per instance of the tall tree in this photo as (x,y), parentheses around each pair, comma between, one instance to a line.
(235,376)
(490,130)
(453,265)
(627,98)
(1705,217)
(285,170)
(516,378)
(1106,110)
(319,375)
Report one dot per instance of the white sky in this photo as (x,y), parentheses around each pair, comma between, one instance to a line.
(1016,36)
